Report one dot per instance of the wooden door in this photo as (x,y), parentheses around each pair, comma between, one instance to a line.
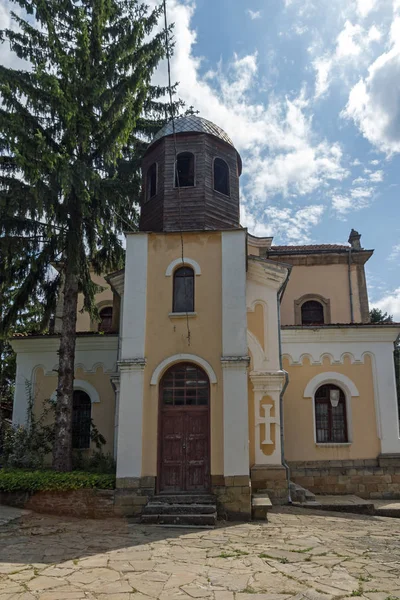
(184,439)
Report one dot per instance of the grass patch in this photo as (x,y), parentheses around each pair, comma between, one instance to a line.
(21,480)
(249,590)
(357,592)
(303,551)
(233,554)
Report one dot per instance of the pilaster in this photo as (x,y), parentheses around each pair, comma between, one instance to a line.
(130,418)
(267,385)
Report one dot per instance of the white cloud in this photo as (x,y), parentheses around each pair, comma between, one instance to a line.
(323,67)
(364,7)
(254,14)
(389,303)
(359,180)
(349,40)
(281,152)
(356,163)
(294,226)
(357,199)
(376,177)
(375,162)
(395,253)
(374,102)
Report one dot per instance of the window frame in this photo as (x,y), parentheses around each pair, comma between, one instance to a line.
(326,304)
(79,434)
(172,369)
(321,310)
(176,166)
(101,309)
(326,401)
(228,195)
(147,195)
(174,277)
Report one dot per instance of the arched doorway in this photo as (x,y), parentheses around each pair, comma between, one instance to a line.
(184,430)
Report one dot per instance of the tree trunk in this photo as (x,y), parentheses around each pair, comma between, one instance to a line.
(62,449)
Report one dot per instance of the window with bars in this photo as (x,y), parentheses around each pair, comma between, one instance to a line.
(183,294)
(106,315)
(185,385)
(81,420)
(221,176)
(184,171)
(330,415)
(312,313)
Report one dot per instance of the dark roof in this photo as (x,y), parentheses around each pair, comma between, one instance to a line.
(310,248)
(192,123)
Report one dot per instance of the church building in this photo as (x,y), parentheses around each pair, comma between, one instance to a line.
(224,364)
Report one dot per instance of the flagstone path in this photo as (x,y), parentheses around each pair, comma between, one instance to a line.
(298,554)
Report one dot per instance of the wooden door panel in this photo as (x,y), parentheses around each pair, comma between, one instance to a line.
(172,451)
(197,450)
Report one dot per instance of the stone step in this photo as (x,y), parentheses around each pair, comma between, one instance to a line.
(154,508)
(260,505)
(189,520)
(340,503)
(184,499)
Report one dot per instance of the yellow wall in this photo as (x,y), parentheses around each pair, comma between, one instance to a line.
(298,413)
(104,297)
(329,281)
(102,412)
(166,336)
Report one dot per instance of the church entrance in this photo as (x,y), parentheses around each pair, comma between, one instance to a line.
(184,430)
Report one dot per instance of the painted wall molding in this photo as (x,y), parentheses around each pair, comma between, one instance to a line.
(186,261)
(84,386)
(176,358)
(330,377)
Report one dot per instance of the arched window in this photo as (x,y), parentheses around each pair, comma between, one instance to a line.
(312,313)
(151,184)
(221,176)
(185,384)
(330,415)
(106,314)
(184,172)
(81,419)
(183,296)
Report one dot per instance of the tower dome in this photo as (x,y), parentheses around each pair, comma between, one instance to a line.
(192,184)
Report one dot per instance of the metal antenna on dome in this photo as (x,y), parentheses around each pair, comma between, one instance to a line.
(172,111)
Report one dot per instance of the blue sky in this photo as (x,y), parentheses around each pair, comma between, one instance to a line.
(309,91)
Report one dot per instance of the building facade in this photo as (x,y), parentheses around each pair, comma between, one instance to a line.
(223,363)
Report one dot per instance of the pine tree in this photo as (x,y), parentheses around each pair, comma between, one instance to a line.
(73,125)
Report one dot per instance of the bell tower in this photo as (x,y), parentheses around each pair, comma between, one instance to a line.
(200,190)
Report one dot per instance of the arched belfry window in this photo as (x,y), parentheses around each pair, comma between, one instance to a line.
(81,419)
(221,176)
(330,415)
(183,295)
(312,313)
(106,315)
(184,171)
(151,181)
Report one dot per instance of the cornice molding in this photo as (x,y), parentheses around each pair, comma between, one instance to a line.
(266,272)
(51,344)
(339,334)
(268,381)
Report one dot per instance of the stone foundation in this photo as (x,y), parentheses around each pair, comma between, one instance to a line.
(273,480)
(86,504)
(233,497)
(368,479)
(127,500)
(132,495)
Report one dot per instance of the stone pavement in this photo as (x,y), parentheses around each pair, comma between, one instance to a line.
(298,554)
(9,513)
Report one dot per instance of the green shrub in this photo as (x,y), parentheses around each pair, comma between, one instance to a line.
(20,480)
(96,462)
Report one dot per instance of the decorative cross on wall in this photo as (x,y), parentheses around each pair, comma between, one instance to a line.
(266,420)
